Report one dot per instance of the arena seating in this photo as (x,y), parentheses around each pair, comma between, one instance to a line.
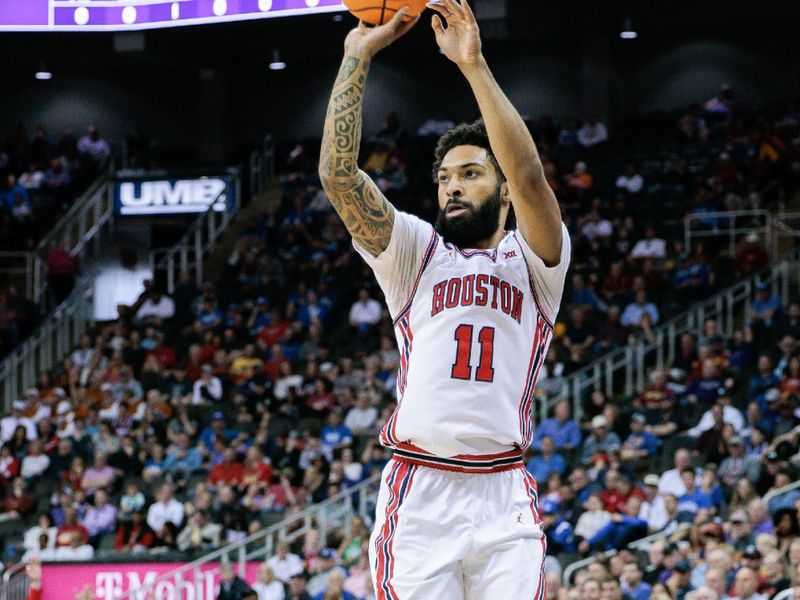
(40,177)
(213,413)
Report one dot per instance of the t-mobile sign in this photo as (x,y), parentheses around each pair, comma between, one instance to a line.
(126,15)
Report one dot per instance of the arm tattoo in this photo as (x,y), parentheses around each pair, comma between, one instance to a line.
(366,212)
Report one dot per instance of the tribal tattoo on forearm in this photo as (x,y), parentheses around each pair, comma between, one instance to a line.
(366,212)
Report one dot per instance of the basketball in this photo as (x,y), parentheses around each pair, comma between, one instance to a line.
(378,12)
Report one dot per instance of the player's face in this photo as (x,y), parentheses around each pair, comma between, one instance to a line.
(471,197)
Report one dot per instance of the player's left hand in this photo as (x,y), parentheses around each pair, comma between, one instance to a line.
(460,40)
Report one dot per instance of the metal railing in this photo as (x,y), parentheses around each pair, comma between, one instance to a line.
(774,229)
(729,224)
(79,229)
(770,495)
(262,165)
(639,544)
(337,511)
(187,255)
(15,583)
(15,266)
(53,339)
(624,369)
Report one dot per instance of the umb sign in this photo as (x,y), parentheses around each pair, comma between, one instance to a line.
(170,196)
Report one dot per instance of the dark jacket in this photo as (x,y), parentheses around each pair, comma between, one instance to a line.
(236,590)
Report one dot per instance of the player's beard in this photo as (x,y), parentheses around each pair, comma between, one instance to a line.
(477,225)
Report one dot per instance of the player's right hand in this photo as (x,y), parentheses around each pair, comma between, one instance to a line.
(368,41)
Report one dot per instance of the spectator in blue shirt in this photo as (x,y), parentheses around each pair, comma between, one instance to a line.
(632,583)
(766,306)
(560,535)
(215,430)
(601,440)
(582,295)
(564,431)
(704,390)
(694,500)
(640,444)
(182,458)
(762,381)
(11,190)
(335,435)
(622,529)
(632,315)
(548,462)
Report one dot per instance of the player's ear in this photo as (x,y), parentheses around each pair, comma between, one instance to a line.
(505,194)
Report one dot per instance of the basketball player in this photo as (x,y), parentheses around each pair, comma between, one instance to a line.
(473,308)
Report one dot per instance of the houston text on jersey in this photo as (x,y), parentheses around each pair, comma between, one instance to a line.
(478,290)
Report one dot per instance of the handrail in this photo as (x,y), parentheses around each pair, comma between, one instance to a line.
(730,229)
(584,562)
(81,225)
(630,362)
(200,238)
(53,339)
(15,583)
(642,542)
(280,530)
(779,492)
(634,545)
(20,264)
(262,165)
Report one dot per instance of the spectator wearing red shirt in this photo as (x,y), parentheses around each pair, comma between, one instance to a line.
(274,331)
(615,497)
(19,503)
(272,367)
(320,401)
(255,469)
(64,535)
(164,354)
(229,471)
(9,465)
(658,396)
(194,365)
(61,270)
(133,534)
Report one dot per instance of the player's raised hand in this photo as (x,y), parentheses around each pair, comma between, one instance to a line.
(460,39)
(371,40)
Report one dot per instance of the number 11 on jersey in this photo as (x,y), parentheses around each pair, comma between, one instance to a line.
(461,367)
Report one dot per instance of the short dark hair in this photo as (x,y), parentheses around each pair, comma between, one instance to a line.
(465,134)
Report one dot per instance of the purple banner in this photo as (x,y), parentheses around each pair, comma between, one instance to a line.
(30,12)
(122,15)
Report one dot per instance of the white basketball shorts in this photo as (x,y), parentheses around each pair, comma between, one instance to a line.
(458,528)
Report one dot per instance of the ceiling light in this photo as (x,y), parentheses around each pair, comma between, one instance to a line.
(628,33)
(43,74)
(277,64)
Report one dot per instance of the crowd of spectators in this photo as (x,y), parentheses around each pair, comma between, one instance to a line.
(200,417)
(40,177)
(697,456)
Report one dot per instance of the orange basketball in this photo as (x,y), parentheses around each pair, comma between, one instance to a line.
(378,12)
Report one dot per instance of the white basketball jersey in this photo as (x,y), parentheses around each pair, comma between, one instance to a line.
(472,327)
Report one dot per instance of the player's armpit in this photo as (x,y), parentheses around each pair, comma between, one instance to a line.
(365,211)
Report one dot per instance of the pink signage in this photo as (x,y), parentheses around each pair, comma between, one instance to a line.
(111,580)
